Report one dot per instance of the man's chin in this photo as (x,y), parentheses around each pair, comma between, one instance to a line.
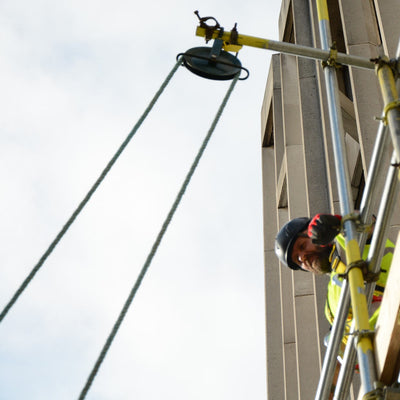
(325,268)
(321,267)
(323,264)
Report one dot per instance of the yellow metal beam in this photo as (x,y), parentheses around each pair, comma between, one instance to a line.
(322,10)
(390,96)
(242,40)
(357,293)
(284,47)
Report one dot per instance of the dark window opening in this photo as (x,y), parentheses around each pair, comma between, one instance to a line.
(358,183)
(338,37)
(288,35)
(269,129)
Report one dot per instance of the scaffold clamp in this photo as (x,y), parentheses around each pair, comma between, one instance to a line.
(332,59)
(361,334)
(392,63)
(376,394)
(209,28)
(388,107)
(360,227)
(368,275)
(382,392)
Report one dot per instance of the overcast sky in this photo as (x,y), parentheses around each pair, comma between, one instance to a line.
(75,77)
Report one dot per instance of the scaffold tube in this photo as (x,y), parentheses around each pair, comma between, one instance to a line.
(369,196)
(391,99)
(375,253)
(335,338)
(290,48)
(355,276)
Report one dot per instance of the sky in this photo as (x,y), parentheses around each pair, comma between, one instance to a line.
(75,78)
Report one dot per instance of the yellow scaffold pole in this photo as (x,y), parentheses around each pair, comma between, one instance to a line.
(353,257)
(230,38)
(386,70)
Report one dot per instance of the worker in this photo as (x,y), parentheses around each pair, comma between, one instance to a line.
(316,245)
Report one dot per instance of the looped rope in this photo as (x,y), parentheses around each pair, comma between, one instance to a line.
(86,199)
(156,244)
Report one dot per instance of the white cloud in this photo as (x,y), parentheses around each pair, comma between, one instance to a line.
(75,78)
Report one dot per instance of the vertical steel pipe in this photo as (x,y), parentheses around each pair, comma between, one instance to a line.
(335,339)
(355,277)
(347,370)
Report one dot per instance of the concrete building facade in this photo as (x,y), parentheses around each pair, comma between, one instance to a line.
(299,173)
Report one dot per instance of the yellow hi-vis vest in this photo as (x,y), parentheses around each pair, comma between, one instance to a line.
(335,282)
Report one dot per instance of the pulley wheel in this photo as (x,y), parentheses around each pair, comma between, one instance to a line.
(224,67)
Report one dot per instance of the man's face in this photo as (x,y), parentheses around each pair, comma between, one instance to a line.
(311,257)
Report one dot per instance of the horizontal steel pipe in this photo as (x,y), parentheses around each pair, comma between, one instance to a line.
(290,48)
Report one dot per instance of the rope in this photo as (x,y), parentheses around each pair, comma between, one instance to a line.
(154,248)
(89,194)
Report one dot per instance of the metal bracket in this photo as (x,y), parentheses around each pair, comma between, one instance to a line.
(368,275)
(361,334)
(388,107)
(216,49)
(385,61)
(332,59)
(382,393)
(232,44)
(209,28)
(355,217)
(376,394)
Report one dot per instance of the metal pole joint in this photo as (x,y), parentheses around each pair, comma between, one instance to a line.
(384,61)
(382,392)
(361,334)
(388,107)
(362,265)
(387,72)
(379,393)
(332,59)
(359,225)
